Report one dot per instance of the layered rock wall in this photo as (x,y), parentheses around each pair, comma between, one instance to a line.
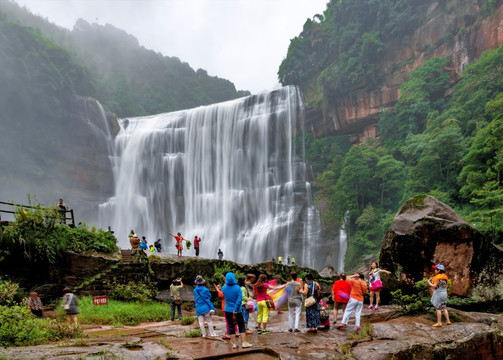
(459,32)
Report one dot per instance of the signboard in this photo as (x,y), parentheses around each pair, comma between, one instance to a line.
(100,300)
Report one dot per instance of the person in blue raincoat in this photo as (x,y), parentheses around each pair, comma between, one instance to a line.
(233,298)
(204,307)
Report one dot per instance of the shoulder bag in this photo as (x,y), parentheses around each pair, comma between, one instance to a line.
(376,285)
(268,301)
(310,301)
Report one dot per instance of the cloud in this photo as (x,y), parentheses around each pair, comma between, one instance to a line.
(240,40)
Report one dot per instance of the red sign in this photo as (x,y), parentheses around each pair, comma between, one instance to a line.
(100,300)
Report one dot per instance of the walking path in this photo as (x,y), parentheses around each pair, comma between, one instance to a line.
(165,340)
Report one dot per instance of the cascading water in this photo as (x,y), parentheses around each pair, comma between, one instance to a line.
(232,173)
(343,245)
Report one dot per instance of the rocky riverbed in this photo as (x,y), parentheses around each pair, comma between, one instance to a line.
(471,336)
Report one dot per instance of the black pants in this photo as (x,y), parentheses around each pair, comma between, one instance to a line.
(37,313)
(230,320)
(197,251)
(178,307)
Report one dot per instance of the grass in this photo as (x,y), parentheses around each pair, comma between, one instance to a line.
(119,313)
(18,327)
(166,344)
(346,349)
(366,330)
(188,320)
(77,343)
(192,333)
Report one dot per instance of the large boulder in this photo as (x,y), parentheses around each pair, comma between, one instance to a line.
(426,231)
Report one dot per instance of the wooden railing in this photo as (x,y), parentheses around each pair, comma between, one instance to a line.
(67,220)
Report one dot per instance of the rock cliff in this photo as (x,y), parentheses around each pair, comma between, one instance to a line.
(458,31)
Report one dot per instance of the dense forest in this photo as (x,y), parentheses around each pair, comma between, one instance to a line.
(127,79)
(450,147)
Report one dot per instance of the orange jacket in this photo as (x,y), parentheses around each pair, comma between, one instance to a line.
(358,289)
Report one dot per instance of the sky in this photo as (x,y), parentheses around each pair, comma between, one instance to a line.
(243,41)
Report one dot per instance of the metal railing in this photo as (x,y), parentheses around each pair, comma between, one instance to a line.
(65,219)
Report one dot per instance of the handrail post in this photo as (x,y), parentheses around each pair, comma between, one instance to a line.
(73,218)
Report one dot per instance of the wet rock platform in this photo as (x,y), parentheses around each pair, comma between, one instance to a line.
(397,338)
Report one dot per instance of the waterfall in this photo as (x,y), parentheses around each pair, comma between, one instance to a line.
(232,173)
(343,244)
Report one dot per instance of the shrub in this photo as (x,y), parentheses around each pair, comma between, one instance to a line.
(192,333)
(18,327)
(7,292)
(83,240)
(188,320)
(132,291)
(37,236)
(415,303)
(221,268)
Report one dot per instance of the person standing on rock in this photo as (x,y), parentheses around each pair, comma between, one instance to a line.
(143,243)
(439,297)
(260,291)
(179,246)
(294,303)
(176,300)
(375,284)
(358,290)
(313,311)
(220,254)
(158,245)
(233,298)
(134,241)
(340,294)
(246,298)
(62,209)
(197,240)
(204,308)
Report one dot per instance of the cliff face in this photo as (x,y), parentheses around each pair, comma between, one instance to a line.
(458,31)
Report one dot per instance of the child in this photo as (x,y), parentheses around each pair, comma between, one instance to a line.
(324,315)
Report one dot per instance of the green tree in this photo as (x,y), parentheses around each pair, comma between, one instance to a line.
(367,238)
(419,97)
(390,175)
(484,161)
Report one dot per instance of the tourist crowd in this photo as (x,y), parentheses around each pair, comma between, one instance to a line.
(244,296)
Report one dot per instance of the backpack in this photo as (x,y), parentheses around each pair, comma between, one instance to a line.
(318,294)
(323,313)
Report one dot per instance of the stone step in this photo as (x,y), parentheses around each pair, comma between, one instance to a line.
(126,256)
